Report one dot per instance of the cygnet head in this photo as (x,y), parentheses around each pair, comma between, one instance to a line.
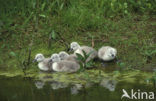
(74,46)
(38,58)
(63,55)
(111,52)
(55,58)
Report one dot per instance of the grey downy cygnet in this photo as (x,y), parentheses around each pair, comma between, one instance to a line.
(65,56)
(63,65)
(107,53)
(79,49)
(44,64)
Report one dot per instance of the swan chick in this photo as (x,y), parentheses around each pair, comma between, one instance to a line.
(107,53)
(64,65)
(79,49)
(65,56)
(44,64)
(55,57)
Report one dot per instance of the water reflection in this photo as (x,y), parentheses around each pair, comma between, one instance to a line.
(57,85)
(105,82)
(109,84)
(76,88)
(54,84)
(39,84)
(89,84)
(19,89)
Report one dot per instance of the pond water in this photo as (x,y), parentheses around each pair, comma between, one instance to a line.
(26,89)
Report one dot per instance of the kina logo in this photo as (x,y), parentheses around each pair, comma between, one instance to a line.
(137,94)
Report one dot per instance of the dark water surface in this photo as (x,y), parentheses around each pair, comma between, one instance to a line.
(21,89)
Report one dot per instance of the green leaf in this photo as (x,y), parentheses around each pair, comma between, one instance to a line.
(125,5)
(28,19)
(81,68)
(88,65)
(43,6)
(53,35)
(89,54)
(12,54)
(42,15)
(61,7)
(80,57)
(84,53)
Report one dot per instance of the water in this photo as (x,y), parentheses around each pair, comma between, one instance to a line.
(25,89)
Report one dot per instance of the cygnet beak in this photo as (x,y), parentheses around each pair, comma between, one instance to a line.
(51,60)
(34,60)
(70,50)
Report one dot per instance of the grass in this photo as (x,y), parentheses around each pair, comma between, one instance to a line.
(128,26)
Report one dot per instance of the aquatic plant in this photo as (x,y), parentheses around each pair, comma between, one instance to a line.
(82,61)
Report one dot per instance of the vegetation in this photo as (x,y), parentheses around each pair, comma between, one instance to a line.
(82,61)
(152,79)
(47,26)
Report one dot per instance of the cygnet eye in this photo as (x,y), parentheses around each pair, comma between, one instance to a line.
(113,55)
